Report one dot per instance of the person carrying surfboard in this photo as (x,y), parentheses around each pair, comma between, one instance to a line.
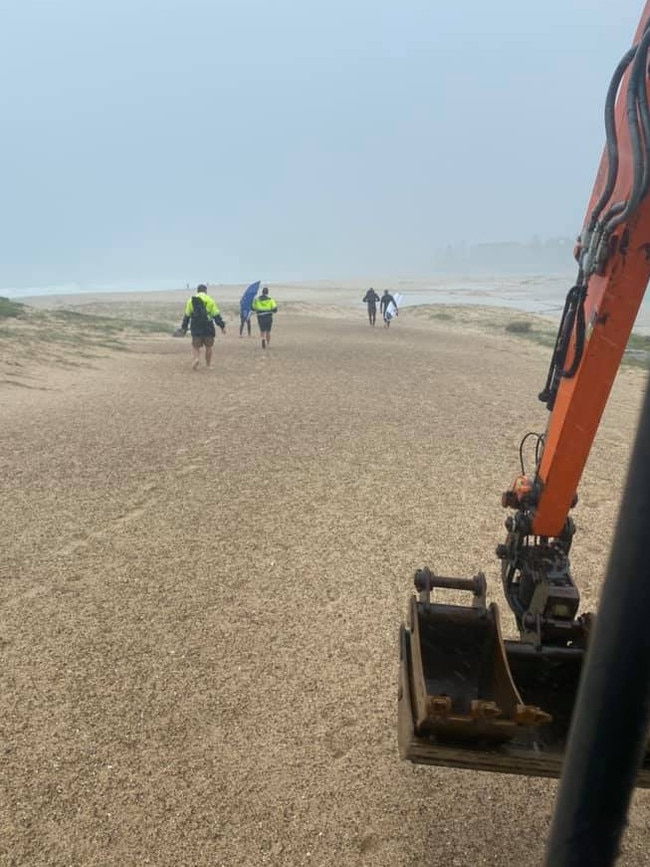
(388,307)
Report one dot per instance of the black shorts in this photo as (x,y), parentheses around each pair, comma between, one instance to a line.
(198,342)
(265,321)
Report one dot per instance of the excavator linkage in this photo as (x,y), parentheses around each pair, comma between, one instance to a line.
(469,699)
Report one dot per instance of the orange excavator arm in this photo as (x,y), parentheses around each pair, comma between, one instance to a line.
(467,697)
(613,254)
(614,258)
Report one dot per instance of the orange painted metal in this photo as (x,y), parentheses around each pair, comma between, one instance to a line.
(611,306)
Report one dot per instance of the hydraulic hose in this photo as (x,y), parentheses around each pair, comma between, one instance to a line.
(636,103)
(573,316)
(611,139)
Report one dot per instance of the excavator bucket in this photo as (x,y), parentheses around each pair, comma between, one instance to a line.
(469,699)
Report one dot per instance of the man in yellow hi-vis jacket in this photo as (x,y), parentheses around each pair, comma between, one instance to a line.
(201,314)
(265,307)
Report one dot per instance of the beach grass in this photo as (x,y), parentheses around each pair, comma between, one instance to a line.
(68,337)
(522,326)
(637,351)
(10,309)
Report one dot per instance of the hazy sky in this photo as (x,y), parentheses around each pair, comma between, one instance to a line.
(228,140)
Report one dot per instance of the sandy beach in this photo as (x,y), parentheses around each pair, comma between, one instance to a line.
(203,576)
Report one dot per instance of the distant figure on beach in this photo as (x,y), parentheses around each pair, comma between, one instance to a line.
(244,322)
(371,298)
(265,307)
(388,307)
(202,314)
(245,307)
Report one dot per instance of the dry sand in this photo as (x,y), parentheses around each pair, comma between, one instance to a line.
(203,576)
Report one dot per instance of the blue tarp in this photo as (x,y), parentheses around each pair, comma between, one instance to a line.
(246,303)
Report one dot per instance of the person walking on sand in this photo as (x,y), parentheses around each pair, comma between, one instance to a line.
(265,307)
(371,298)
(202,314)
(388,308)
(244,322)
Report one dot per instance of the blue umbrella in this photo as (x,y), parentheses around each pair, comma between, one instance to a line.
(246,303)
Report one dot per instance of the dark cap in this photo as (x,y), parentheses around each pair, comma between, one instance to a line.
(265,290)
(201,287)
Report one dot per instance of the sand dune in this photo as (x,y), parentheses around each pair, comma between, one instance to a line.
(203,576)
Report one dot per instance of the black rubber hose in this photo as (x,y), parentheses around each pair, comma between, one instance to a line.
(580,338)
(539,440)
(644,115)
(567,322)
(636,92)
(639,155)
(611,140)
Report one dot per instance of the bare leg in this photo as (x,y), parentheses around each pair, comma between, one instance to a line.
(208,356)
(268,338)
(196,357)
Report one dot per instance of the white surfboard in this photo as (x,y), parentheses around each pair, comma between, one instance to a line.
(391,310)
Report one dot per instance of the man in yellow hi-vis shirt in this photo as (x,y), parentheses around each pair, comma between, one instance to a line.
(265,307)
(201,314)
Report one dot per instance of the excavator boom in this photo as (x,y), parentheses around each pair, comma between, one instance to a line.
(614,257)
(467,698)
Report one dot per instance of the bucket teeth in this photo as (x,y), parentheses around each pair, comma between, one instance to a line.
(462,685)
(439,705)
(529,715)
(484,709)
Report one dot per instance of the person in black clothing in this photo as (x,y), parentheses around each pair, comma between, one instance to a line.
(371,298)
(386,300)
